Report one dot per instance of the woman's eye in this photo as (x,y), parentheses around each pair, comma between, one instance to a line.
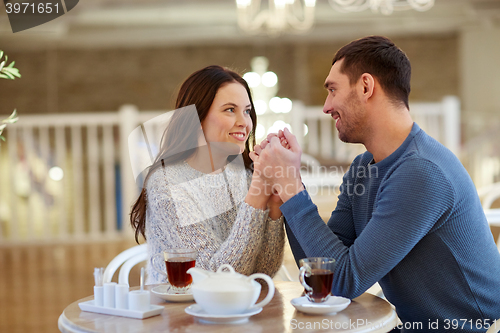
(248,111)
(230,109)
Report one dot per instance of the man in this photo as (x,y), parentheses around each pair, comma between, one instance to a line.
(408,215)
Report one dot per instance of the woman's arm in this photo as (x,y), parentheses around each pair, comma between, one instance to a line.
(270,257)
(178,220)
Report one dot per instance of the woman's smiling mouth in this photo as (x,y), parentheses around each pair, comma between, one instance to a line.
(240,136)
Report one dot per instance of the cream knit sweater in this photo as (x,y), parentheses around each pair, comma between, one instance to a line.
(190,209)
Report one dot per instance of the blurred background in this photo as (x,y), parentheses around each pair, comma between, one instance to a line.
(92,75)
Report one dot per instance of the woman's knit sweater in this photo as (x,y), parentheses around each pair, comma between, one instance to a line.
(190,209)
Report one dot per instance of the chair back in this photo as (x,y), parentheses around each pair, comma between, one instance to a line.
(126,259)
(495,327)
(493,217)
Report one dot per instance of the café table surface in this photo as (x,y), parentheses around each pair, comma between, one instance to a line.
(366,313)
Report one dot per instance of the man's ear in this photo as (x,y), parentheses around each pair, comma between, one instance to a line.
(367,85)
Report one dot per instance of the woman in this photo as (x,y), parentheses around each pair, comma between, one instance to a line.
(194,198)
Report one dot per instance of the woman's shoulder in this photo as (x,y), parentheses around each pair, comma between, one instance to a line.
(166,174)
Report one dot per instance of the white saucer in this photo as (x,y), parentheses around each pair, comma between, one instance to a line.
(196,311)
(333,305)
(165,292)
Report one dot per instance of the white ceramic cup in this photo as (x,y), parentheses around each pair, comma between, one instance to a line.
(109,294)
(99,295)
(121,296)
(139,300)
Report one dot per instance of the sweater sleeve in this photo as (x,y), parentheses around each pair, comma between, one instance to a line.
(270,257)
(169,226)
(340,222)
(412,199)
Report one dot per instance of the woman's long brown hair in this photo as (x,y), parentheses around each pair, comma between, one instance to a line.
(199,89)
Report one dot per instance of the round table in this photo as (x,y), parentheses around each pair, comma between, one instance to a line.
(366,313)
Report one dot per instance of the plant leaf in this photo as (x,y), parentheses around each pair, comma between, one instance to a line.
(11,64)
(1,137)
(11,119)
(1,54)
(13,71)
(2,127)
(9,71)
(3,76)
(9,75)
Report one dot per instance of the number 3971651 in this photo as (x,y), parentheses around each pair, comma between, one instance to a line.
(31,8)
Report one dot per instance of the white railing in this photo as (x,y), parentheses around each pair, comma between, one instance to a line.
(92,201)
(441,120)
(481,157)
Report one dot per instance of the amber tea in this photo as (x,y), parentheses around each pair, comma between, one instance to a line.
(316,276)
(177,262)
(176,271)
(320,281)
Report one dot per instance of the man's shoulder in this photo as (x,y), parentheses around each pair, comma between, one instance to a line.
(426,150)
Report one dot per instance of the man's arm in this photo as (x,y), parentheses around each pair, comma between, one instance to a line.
(414,198)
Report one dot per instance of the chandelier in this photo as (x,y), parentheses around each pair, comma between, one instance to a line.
(276,17)
(386,7)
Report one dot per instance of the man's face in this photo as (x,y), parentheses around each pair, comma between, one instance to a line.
(344,105)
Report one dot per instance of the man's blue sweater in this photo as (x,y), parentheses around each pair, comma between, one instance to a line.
(412,222)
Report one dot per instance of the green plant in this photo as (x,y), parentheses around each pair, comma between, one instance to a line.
(10,120)
(10,73)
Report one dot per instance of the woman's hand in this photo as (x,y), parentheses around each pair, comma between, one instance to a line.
(274,204)
(280,135)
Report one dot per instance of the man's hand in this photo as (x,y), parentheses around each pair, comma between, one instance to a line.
(277,160)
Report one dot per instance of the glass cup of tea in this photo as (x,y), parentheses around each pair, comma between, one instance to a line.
(316,276)
(177,262)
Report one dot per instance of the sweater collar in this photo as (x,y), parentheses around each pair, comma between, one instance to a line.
(398,152)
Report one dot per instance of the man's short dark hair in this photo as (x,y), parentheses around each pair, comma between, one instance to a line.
(382,59)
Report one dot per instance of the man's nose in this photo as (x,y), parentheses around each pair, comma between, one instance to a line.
(327,107)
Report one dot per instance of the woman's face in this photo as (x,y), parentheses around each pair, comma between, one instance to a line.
(228,119)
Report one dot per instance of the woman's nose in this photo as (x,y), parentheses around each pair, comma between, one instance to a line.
(241,120)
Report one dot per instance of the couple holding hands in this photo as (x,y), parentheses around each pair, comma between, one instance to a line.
(417,227)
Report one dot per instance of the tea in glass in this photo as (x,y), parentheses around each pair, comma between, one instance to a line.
(316,276)
(177,262)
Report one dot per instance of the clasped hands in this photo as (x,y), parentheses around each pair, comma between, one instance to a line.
(277,166)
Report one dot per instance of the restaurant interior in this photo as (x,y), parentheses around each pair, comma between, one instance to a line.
(90,76)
